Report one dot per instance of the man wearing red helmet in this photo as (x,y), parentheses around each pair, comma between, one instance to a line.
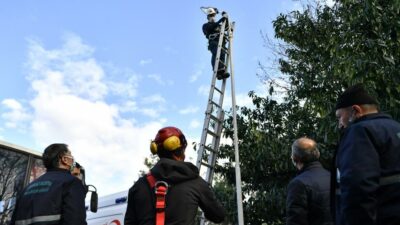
(184,190)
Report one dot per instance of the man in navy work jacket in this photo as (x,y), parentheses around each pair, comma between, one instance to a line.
(367,161)
(55,198)
(307,201)
(211,30)
(186,189)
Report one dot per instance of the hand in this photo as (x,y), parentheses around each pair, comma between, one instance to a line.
(224,14)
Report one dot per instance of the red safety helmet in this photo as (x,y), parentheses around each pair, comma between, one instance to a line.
(169,139)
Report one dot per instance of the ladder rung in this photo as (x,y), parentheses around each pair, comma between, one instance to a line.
(212,133)
(215,88)
(222,62)
(215,118)
(216,104)
(210,149)
(225,50)
(206,164)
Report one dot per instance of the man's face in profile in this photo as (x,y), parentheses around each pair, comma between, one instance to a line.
(343,116)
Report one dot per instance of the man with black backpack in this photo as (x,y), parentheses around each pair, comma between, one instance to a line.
(173,190)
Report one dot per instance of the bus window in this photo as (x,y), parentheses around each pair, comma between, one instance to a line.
(13,168)
(37,170)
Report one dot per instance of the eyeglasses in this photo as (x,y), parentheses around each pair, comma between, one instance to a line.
(69,156)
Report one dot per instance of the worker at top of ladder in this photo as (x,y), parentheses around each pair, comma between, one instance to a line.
(211,30)
(173,190)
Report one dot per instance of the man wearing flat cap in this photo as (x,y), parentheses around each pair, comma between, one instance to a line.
(367,162)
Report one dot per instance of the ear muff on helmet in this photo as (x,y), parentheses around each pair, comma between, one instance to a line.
(170,144)
(169,139)
(153,147)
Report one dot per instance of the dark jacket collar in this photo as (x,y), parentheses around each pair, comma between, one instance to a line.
(366,117)
(372,116)
(58,170)
(310,166)
(174,171)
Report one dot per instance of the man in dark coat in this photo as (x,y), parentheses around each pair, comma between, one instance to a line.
(367,161)
(186,189)
(55,198)
(307,200)
(211,30)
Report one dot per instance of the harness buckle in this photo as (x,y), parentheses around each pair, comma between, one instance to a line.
(160,189)
(159,184)
(213,36)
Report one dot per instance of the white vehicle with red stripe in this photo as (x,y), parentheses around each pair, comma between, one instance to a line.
(111,210)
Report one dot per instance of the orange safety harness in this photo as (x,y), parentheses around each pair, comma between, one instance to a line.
(161,189)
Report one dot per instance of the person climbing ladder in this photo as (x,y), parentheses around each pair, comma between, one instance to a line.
(211,30)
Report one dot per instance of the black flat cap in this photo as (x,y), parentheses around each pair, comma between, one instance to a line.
(355,95)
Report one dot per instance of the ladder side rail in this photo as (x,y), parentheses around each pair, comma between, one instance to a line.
(235,141)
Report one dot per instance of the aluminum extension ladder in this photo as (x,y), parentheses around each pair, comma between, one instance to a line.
(214,117)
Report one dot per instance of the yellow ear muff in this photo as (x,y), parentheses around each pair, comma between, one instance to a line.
(172,143)
(153,147)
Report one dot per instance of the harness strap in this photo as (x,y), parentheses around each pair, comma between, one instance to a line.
(161,190)
(213,36)
(151,180)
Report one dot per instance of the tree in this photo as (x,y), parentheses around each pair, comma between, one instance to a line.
(321,51)
(149,162)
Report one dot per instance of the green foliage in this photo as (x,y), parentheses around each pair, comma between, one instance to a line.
(149,162)
(325,49)
(226,194)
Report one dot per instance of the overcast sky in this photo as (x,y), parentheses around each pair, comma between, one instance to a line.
(105,76)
